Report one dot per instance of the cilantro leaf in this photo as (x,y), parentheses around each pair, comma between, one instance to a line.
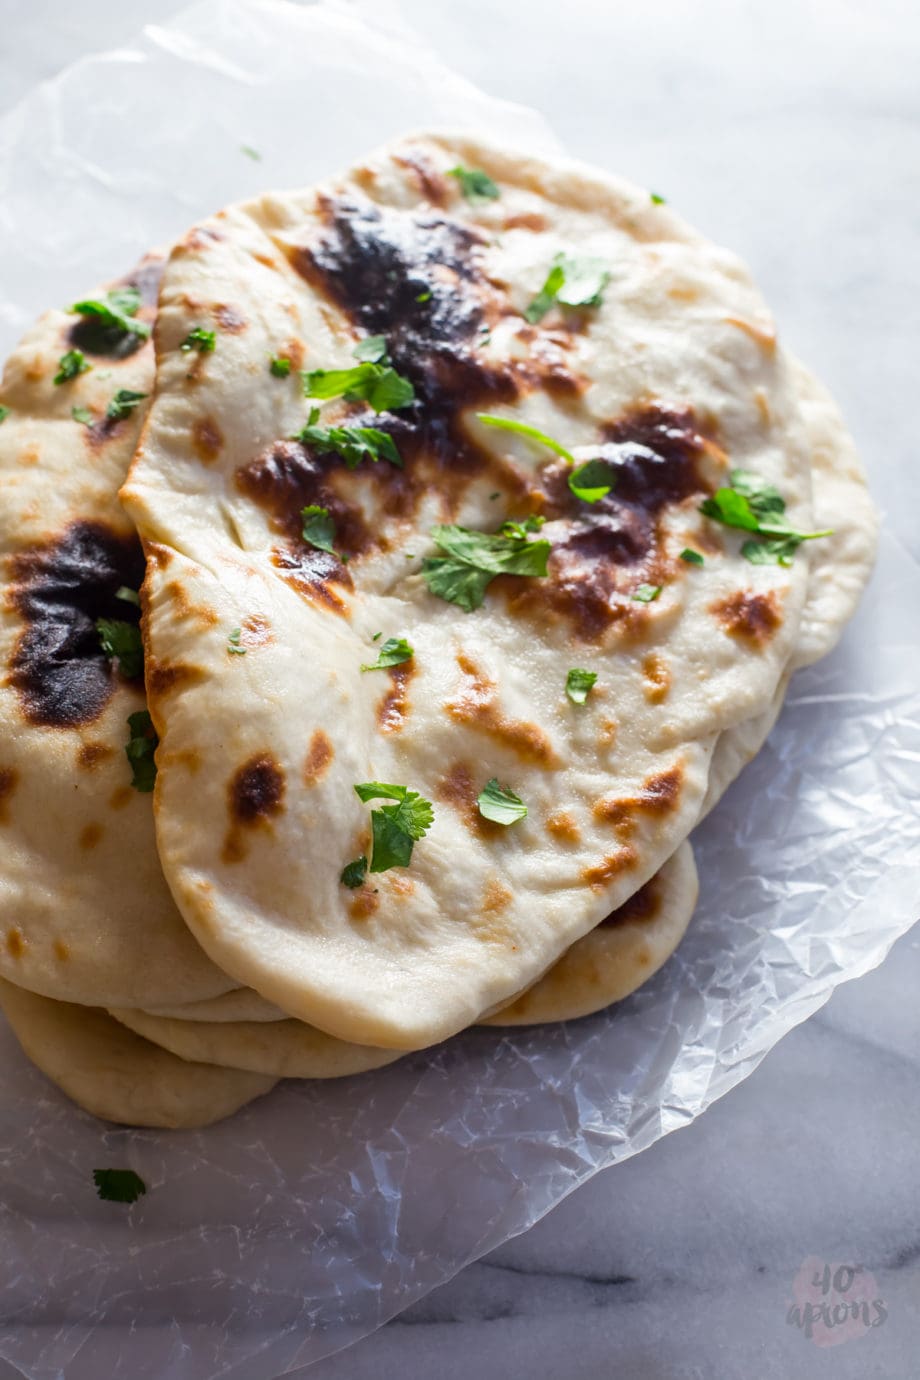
(118,1185)
(353,875)
(352,443)
(130,596)
(657,200)
(394,652)
(121,641)
(123,404)
(318,528)
(473,559)
(4,412)
(592,481)
(753,505)
(199,339)
(82,415)
(475,184)
(501,806)
(233,643)
(522,429)
(646,594)
(578,683)
(250,152)
(571,282)
(141,746)
(773,551)
(395,828)
(279,366)
(424,296)
(117,312)
(70,365)
(372,349)
(692,557)
(376,384)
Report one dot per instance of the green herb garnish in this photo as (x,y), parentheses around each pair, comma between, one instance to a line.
(501,806)
(233,643)
(129,595)
(371,350)
(753,505)
(4,412)
(646,594)
(657,200)
(692,557)
(395,828)
(119,1185)
(82,415)
(199,339)
(121,642)
(571,282)
(318,528)
(250,152)
(473,559)
(117,312)
(352,443)
(475,184)
(142,744)
(70,365)
(379,385)
(394,652)
(522,429)
(123,404)
(279,366)
(353,875)
(590,482)
(424,296)
(578,683)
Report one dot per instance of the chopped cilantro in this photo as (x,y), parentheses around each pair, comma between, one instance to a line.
(692,557)
(233,643)
(509,424)
(571,282)
(578,683)
(199,339)
(371,350)
(139,751)
(118,1185)
(117,312)
(121,642)
(70,365)
(394,652)
(376,384)
(123,404)
(250,152)
(646,594)
(753,505)
(473,559)
(318,528)
(377,637)
(475,184)
(501,806)
(352,443)
(130,596)
(395,828)
(280,366)
(592,481)
(82,415)
(657,200)
(4,412)
(353,875)
(424,296)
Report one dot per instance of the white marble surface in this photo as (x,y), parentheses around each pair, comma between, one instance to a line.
(790,131)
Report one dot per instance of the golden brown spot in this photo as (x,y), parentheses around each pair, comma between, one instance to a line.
(458,788)
(183,607)
(200,237)
(319,756)
(363,903)
(188,758)
(763,407)
(257,631)
(429,181)
(61,951)
(753,618)
(164,677)
(230,319)
(29,456)
(657,677)
(255,795)
(477,705)
(92,755)
(393,709)
(562,826)
(762,332)
(15,943)
(294,351)
(525,220)
(496,897)
(159,555)
(9,779)
(659,796)
(121,797)
(400,884)
(604,872)
(641,907)
(607,733)
(266,260)
(90,836)
(685,293)
(207,439)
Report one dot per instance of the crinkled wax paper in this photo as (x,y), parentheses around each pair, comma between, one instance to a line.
(319,1212)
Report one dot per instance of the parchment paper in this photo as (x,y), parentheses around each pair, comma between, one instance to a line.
(316,1214)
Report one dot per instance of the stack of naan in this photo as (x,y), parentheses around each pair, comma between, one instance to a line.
(476,483)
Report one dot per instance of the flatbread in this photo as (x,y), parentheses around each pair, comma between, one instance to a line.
(85,914)
(115,1075)
(256,813)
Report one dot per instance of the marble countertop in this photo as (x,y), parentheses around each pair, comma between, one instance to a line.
(791,132)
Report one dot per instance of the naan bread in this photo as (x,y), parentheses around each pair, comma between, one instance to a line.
(85,914)
(256,813)
(115,1075)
